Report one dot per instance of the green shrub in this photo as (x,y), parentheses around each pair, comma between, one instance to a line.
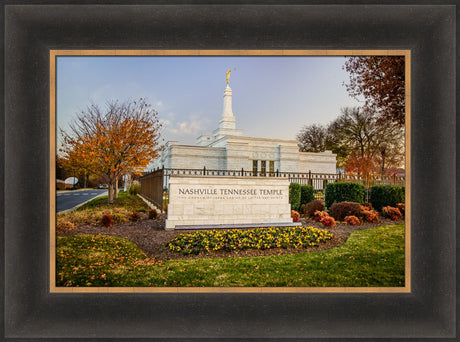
(344,191)
(306,194)
(302,209)
(294,196)
(311,207)
(135,188)
(343,209)
(386,195)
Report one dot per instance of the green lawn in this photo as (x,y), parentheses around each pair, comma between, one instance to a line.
(372,257)
(124,200)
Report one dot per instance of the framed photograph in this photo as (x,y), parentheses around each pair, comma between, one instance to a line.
(228,195)
(52,63)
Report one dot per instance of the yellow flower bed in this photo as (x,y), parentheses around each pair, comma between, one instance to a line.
(258,238)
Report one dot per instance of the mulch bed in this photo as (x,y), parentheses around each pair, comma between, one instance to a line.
(151,238)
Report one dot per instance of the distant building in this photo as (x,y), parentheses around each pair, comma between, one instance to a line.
(227,149)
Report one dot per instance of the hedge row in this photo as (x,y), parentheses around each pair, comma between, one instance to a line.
(386,195)
(300,194)
(306,194)
(294,196)
(380,195)
(344,192)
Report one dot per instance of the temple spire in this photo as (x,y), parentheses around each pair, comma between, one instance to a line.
(227,124)
(228,119)
(227,111)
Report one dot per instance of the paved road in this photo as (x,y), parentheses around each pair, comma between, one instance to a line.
(70,199)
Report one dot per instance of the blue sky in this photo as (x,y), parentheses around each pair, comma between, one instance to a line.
(272,96)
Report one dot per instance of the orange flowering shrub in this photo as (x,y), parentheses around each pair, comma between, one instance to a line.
(392,213)
(366,208)
(295,216)
(328,221)
(371,216)
(352,220)
(401,207)
(318,215)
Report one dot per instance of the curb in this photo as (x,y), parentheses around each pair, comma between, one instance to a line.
(150,204)
(78,190)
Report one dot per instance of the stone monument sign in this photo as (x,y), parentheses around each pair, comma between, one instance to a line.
(205,201)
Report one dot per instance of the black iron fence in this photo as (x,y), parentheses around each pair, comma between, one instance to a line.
(155,184)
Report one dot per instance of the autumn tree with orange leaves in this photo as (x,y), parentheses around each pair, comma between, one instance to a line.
(380,82)
(77,163)
(121,138)
(368,146)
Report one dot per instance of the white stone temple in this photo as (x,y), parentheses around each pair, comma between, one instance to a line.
(228,149)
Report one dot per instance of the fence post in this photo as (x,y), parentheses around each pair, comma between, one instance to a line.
(310,181)
(204,170)
(277,173)
(242,172)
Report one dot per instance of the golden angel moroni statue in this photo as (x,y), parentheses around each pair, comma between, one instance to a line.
(228,73)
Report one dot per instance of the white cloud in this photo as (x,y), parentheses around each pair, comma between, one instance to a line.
(186,127)
(184,131)
(171,115)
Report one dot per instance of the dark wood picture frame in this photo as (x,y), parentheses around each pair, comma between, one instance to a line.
(31,311)
(54,116)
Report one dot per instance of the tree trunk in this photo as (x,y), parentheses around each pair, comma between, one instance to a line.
(110,192)
(115,191)
(382,170)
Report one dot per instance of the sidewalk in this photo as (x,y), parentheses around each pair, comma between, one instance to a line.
(78,190)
